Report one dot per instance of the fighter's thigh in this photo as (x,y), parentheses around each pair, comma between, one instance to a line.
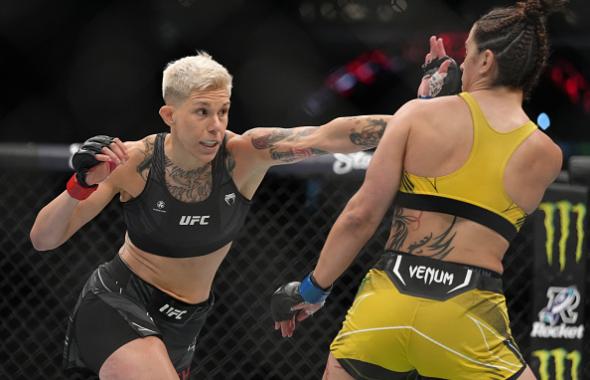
(334,370)
(527,374)
(142,358)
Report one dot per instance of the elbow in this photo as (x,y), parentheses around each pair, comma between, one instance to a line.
(361,221)
(39,243)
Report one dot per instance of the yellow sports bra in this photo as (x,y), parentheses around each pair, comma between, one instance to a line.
(476,190)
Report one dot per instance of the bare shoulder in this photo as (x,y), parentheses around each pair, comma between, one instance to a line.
(235,144)
(140,154)
(547,153)
(233,140)
(141,147)
(433,113)
(538,160)
(433,108)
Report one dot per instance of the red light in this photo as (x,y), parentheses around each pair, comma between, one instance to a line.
(571,88)
(566,76)
(557,75)
(454,44)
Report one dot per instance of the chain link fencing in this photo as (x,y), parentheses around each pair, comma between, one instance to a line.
(287,225)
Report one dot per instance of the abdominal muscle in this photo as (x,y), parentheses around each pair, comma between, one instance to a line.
(186,279)
(446,237)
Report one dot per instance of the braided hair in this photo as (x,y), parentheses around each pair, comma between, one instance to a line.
(517,36)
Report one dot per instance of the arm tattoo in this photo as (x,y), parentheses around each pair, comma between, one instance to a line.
(144,166)
(268,140)
(370,133)
(272,139)
(188,185)
(295,154)
(434,246)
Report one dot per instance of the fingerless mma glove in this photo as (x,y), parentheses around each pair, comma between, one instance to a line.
(82,161)
(85,157)
(294,293)
(441,84)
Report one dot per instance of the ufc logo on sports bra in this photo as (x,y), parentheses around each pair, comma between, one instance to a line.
(169,311)
(188,220)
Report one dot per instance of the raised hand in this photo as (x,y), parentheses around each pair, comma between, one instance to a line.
(441,74)
(96,158)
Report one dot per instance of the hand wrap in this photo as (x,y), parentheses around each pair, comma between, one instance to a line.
(77,191)
(294,293)
(448,83)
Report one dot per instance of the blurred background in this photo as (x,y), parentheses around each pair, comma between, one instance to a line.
(74,69)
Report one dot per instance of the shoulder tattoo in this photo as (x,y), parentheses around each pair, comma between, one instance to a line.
(230,162)
(148,153)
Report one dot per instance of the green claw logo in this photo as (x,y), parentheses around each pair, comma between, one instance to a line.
(554,364)
(565,210)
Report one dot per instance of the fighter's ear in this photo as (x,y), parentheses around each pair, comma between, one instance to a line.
(167,114)
(488,62)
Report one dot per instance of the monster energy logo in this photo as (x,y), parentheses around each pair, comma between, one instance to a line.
(562,360)
(565,210)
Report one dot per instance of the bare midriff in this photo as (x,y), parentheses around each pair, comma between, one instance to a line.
(186,279)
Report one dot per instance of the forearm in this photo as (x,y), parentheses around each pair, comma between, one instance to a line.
(51,225)
(347,237)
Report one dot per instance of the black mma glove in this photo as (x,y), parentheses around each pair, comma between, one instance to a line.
(295,293)
(441,84)
(85,158)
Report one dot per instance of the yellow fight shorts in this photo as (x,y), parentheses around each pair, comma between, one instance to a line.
(419,318)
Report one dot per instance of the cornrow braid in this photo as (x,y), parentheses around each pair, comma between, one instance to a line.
(517,36)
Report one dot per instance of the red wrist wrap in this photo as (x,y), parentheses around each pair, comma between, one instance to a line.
(78,191)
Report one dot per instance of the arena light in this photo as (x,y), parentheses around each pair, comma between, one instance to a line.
(543,121)
(567,77)
(363,69)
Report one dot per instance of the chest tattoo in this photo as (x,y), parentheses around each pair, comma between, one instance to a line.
(188,185)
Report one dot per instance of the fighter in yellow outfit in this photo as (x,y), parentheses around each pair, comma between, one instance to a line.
(462,172)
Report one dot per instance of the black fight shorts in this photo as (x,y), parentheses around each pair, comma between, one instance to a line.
(116,306)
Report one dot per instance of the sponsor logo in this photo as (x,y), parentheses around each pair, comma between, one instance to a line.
(192,346)
(557,239)
(430,275)
(160,206)
(170,312)
(558,364)
(561,307)
(230,199)
(191,220)
(345,163)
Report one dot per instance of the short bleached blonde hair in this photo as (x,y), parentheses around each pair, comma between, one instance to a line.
(193,73)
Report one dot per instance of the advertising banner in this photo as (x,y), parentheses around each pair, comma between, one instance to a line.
(557,332)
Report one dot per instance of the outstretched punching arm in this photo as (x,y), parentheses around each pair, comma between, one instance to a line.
(276,146)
